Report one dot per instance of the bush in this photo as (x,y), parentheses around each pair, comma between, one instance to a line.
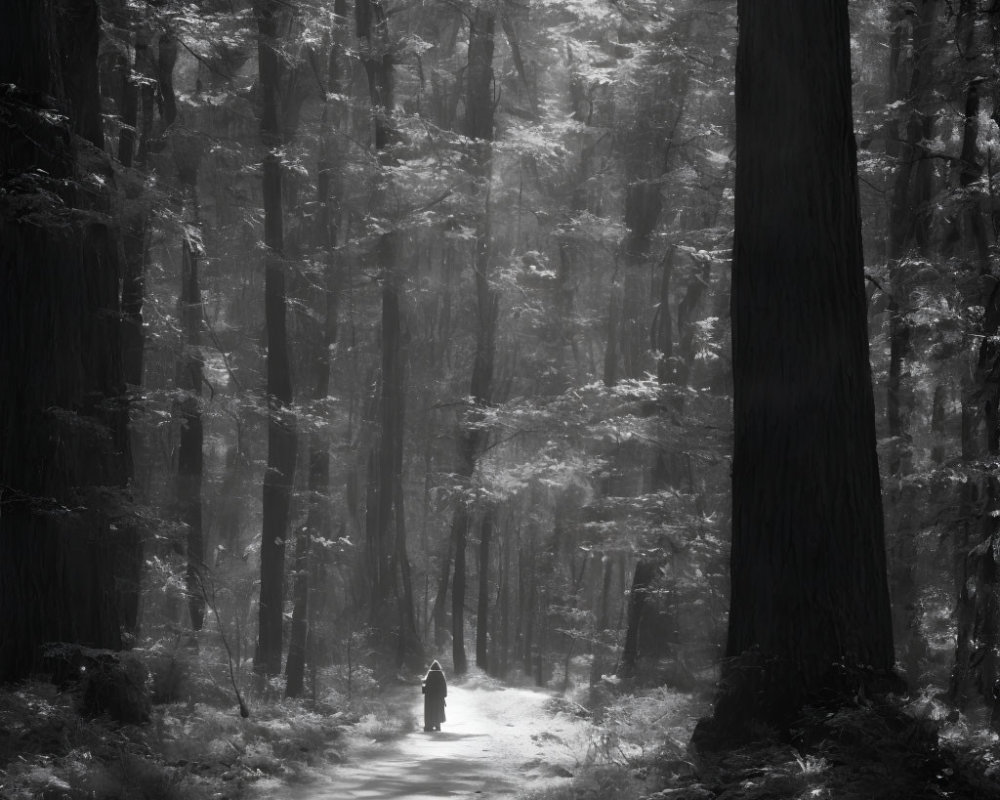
(116,687)
(107,682)
(169,677)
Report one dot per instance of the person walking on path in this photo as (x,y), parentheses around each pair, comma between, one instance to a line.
(435,691)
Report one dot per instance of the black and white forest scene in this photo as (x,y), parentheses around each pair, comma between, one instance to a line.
(525,399)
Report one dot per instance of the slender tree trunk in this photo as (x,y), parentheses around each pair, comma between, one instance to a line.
(529,606)
(960,689)
(645,572)
(146,69)
(318,518)
(440,612)
(460,527)
(909,227)
(387,528)
(603,620)
(472,439)
(486,529)
(977,573)
(190,377)
(135,226)
(501,653)
(281,436)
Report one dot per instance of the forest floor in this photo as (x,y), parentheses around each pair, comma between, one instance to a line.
(497,742)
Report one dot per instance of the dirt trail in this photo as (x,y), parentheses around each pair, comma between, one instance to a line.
(495,743)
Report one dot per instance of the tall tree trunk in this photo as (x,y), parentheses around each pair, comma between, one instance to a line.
(486,529)
(809,595)
(472,438)
(68,570)
(976,571)
(190,377)
(440,610)
(501,653)
(909,227)
(281,436)
(459,533)
(645,572)
(146,69)
(603,619)
(610,374)
(390,580)
(135,228)
(328,195)
(372,34)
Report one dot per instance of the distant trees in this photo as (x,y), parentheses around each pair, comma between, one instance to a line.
(457,173)
(809,609)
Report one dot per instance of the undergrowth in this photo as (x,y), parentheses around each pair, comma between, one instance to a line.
(889,750)
(631,736)
(195,747)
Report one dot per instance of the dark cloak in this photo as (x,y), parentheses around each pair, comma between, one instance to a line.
(435,690)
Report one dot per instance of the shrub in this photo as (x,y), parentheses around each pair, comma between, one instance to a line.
(116,687)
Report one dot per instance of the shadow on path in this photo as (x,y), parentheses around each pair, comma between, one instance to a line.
(448,736)
(404,779)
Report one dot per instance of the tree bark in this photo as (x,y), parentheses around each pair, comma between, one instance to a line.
(328,197)
(281,435)
(190,377)
(645,572)
(386,523)
(472,438)
(809,607)
(68,569)
(486,528)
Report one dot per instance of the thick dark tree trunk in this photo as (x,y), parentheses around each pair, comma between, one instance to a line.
(68,569)
(281,436)
(809,607)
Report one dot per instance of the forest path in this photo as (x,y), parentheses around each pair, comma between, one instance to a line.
(495,743)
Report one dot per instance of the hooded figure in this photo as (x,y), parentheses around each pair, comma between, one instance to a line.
(435,691)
